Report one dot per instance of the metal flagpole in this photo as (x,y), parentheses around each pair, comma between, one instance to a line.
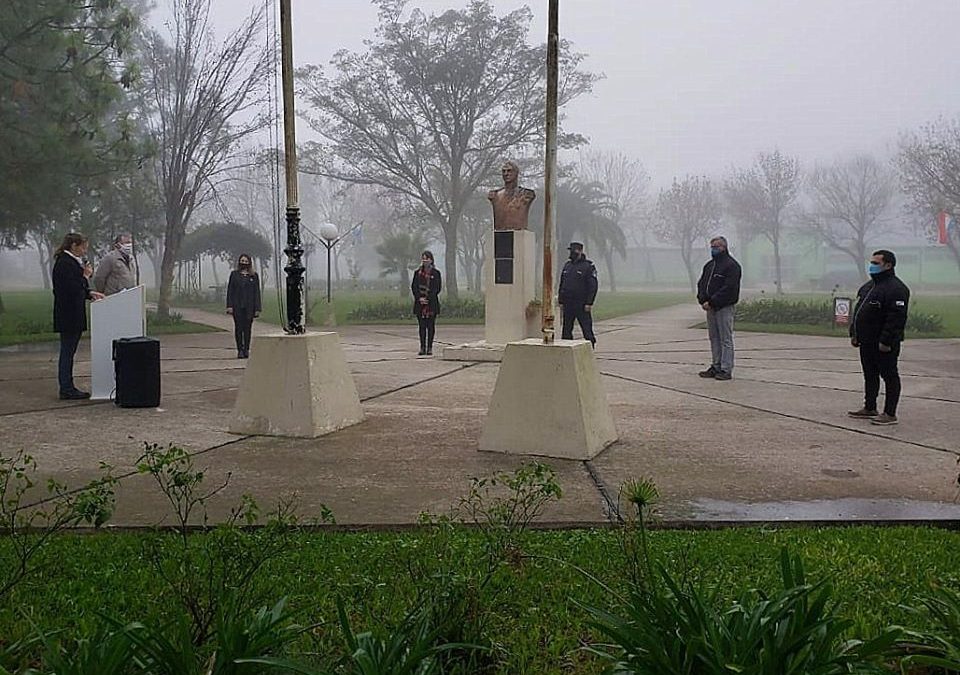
(550,170)
(294,250)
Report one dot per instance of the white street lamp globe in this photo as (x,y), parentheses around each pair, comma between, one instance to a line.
(329,231)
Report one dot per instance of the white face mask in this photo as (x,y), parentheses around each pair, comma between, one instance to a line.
(126,248)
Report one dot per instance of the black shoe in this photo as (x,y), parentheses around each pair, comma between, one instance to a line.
(885,420)
(246,353)
(75,395)
(422,352)
(239,353)
(863,414)
(709,372)
(430,351)
(723,375)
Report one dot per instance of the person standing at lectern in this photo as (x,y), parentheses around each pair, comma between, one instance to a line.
(426,287)
(117,270)
(243,302)
(578,291)
(71,290)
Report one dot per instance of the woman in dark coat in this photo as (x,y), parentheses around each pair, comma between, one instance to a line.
(426,287)
(71,290)
(243,302)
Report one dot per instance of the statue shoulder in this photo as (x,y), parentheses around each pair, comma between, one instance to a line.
(528,193)
(492,194)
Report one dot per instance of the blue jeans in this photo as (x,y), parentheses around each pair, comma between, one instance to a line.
(720,327)
(68,348)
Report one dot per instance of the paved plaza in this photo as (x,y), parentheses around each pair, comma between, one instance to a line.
(773,443)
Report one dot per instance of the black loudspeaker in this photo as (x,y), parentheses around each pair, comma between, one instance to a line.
(136,364)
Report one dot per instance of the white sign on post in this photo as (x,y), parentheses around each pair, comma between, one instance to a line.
(120,315)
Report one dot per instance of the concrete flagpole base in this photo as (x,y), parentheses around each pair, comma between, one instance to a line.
(548,401)
(296,385)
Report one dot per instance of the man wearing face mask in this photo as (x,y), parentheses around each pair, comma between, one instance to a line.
(877,330)
(117,270)
(578,290)
(718,292)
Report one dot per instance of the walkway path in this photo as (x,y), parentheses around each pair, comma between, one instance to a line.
(775,440)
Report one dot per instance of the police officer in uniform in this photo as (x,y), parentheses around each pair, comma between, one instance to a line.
(578,290)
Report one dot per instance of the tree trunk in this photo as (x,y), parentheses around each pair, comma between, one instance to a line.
(44,265)
(166,282)
(2,308)
(778,273)
(686,254)
(608,261)
(450,256)
(404,280)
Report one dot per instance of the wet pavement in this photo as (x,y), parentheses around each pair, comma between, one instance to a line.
(772,444)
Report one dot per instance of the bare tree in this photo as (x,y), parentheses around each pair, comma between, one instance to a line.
(624,181)
(688,213)
(205,97)
(849,204)
(434,106)
(760,197)
(929,163)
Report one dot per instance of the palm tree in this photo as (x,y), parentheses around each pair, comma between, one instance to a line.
(399,253)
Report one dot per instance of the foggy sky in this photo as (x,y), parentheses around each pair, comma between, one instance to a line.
(699,85)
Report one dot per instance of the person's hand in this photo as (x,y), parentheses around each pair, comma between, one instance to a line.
(423,301)
(587,308)
(885,348)
(229,310)
(88,270)
(854,342)
(256,314)
(96,295)
(706,305)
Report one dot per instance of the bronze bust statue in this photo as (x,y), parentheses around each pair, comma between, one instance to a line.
(511,203)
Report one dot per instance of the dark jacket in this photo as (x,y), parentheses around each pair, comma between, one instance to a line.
(70,294)
(243,292)
(881,311)
(578,283)
(433,292)
(720,282)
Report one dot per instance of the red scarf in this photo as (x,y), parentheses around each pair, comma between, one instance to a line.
(423,289)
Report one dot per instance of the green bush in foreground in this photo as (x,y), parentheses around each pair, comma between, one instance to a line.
(493,597)
(818,313)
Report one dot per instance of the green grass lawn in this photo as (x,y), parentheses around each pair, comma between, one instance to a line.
(947,307)
(608,305)
(28,317)
(531,609)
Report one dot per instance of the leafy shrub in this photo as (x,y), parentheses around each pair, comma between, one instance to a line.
(33,326)
(939,647)
(402,310)
(818,313)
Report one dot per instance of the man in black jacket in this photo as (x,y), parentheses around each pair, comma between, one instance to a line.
(578,290)
(877,329)
(717,292)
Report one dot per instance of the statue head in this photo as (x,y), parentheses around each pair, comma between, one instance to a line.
(510,173)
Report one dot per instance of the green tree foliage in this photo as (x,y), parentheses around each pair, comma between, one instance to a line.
(62,78)
(225,241)
(399,253)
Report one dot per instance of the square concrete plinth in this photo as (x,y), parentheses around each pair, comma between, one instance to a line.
(296,385)
(548,401)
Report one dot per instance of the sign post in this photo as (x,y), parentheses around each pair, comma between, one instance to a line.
(841,311)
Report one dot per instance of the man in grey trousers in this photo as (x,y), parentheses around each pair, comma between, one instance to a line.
(718,292)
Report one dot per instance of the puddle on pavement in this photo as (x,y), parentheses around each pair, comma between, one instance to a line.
(825,509)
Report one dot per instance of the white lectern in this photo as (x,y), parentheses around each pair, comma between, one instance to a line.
(120,315)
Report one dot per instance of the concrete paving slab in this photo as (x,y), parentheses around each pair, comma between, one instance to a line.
(777,434)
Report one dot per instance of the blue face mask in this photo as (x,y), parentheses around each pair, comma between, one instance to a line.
(715,251)
(874,268)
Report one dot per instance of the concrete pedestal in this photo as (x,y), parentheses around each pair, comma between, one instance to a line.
(296,385)
(505,302)
(549,401)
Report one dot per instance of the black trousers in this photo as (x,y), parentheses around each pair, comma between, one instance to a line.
(68,349)
(428,327)
(583,317)
(877,365)
(242,329)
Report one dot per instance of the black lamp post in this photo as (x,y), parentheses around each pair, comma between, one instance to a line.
(294,249)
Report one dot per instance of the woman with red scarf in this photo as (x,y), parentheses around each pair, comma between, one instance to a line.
(426,287)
